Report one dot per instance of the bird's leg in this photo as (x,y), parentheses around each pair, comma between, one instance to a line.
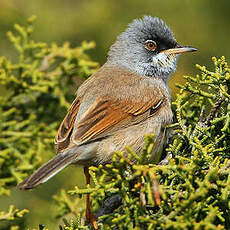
(87,176)
(89,215)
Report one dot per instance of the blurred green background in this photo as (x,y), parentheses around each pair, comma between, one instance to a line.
(202,24)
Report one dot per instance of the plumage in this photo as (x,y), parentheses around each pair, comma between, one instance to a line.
(118,103)
(127,98)
(47,171)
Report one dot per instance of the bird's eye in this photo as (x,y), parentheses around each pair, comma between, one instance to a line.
(150,45)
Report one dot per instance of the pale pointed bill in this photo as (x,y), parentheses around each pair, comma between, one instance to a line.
(180,49)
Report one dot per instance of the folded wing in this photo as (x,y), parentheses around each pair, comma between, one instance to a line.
(118,107)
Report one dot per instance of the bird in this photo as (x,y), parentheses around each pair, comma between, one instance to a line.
(127,98)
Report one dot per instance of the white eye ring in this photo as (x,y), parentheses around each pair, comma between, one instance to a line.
(150,45)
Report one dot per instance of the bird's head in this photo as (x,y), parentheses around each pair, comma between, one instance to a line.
(147,47)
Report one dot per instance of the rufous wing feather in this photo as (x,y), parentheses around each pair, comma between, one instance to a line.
(105,116)
(62,139)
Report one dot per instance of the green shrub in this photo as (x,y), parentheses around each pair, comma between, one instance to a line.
(189,190)
(36,92)
(195,182)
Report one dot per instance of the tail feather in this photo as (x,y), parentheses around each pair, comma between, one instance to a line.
(48,170)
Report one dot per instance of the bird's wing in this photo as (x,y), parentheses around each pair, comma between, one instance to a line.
(62,138)
(120,107)
(106,116)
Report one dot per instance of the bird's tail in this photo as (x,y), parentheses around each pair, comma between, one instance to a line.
(47,171)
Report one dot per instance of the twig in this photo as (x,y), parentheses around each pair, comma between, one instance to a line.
(165,161)
(45,64)
(222,170)
(204,123)
(213,111)
(108,206)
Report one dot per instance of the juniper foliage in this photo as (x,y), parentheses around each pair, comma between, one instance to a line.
(35,95)
(194,185)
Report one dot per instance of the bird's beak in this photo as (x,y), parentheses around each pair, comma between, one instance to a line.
(180,49)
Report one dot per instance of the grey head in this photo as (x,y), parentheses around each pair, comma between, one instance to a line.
(147,47)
